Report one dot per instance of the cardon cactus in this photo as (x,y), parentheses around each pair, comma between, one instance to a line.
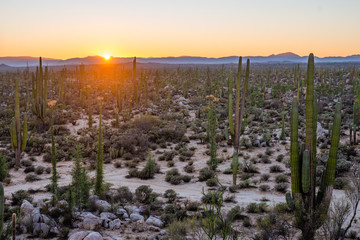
(18,138)
(311,208)
(239,113)
(1,209)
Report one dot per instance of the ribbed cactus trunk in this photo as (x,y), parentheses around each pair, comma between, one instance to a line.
(17,124)
(311,209)
(235,161)
(2,201)
(134,82)
(99,177)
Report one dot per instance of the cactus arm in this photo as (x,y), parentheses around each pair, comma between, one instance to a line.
(24,135)
(335,137)
(294,148)
(230,107)
(1,208)
(305,172)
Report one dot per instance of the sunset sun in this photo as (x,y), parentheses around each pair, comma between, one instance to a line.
(106,56)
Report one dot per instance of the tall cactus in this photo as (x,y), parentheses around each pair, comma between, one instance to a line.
(2,201)
(39,91)
(311,209)
(18,139)
(134,81)
(239,113)
(99,177)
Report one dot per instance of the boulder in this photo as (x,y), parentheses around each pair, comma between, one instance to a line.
(102,206)
(107,215)
(86,235)
(41,229)
(122,213)
(135,217)
(152,220)
(115,224)
(26,208)
(91,222)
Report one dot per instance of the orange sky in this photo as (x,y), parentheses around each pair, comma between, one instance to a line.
(159,28)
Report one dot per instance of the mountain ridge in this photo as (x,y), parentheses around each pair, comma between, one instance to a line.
(286,57)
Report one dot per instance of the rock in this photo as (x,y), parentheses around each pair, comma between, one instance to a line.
(41,229)
(122,213)
(115,237)
(107,215)
(155,221)
(162,232)
(102,206)
(26,208)
(86,235)
(320,131)
(135,217)
(263,144)
(154,229)
(115,224)
(256,143)
(132,209)
(91,222)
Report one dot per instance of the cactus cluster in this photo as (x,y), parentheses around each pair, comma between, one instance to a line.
(18,137)
(311,208)
(39,91)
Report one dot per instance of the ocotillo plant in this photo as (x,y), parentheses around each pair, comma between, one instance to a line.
(99,177)
(311,209)
(18,139)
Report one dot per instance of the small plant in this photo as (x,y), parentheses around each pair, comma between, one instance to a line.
(276,169)
(281,187)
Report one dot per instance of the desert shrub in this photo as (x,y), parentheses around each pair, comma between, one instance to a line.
(117,164)
(170,194)
(170,163)
(3,169)
(205,174)
(265,159)
(123,195)
(39,170)
(227,171)
(189,168)
(281,178)
(26,163)
(145,123)
(186,178)
(171,173)
(340,183)
(264,187)
(19,196)
(244,184)
(29,169)
(265,177)
(176,180)
(248,167)
(279,158)
(281,187)
(193,206)
(273,226)
(252,208)
(31,177)
(144,194)
(149,170)
(268,152)
(275,169)
(127,156)
(211,182)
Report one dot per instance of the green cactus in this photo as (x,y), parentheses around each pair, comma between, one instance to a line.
(99,177)
(39,92)
(18,139)
(2,201)
(14,226)
(311,209)
(230,106)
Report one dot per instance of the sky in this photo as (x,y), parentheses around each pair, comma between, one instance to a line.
(160,28)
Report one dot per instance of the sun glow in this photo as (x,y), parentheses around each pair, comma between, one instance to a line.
(106,56)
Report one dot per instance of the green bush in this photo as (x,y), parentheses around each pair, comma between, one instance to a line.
(19,196)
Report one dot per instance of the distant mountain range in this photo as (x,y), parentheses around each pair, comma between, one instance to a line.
(287,57)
